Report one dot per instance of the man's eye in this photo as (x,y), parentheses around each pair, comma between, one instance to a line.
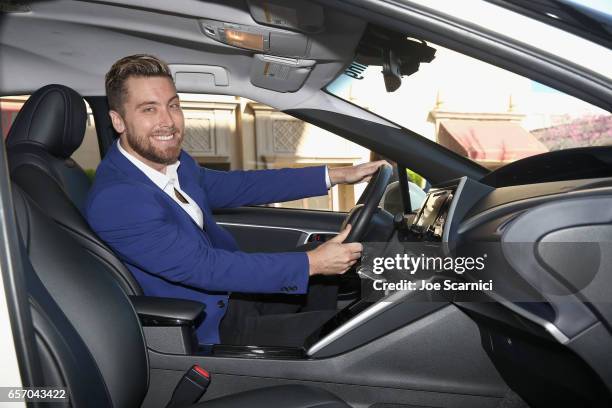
(175,106)
(149,109)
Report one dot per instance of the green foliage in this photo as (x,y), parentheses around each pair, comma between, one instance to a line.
(415,178)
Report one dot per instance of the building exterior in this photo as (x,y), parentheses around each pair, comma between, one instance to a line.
(231,133)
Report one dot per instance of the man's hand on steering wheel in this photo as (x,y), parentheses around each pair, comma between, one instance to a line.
(339,254)
(354,174)
(333,257)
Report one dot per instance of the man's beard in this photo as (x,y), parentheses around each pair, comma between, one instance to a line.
(144,147)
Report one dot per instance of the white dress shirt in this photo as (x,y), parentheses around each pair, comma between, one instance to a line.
(169,181)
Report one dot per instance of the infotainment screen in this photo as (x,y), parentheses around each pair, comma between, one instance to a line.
(432,216)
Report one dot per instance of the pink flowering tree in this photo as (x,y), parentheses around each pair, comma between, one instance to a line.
(586,131)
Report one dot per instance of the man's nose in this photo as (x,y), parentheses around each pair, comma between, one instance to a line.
(165,118)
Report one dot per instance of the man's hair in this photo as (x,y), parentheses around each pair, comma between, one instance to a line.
(139,65)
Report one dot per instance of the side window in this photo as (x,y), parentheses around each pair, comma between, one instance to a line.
(87,155)
(232,133)
(9,108)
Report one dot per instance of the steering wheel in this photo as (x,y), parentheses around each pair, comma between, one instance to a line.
(360,215)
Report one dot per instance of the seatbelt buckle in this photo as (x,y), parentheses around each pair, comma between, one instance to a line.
(190,388)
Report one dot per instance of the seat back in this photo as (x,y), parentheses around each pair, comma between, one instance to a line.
(88,335)
(48,129)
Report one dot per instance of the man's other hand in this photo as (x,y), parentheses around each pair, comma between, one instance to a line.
(354,174)
(334,257)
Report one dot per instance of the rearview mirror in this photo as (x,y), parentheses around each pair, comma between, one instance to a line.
(397,54)
(391,71)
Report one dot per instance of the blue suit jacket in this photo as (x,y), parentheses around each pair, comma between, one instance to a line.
(171,256)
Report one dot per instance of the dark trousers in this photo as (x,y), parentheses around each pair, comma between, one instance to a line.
(279,320)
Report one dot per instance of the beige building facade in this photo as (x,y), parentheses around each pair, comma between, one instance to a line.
(232,133)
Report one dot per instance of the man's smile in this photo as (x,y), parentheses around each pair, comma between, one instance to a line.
(168,138)
(164,137)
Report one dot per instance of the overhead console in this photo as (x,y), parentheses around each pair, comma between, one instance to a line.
(271,67)
(281,43)
(266,40)
(299,16)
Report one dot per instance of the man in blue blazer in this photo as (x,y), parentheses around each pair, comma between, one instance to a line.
(152,204)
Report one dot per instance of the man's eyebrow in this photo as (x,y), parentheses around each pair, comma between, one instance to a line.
(154,102)
(146,103)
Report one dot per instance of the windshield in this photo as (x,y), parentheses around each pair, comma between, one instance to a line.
(591,19)
(480,111)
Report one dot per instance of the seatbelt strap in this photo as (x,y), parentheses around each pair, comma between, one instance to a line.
(190,388)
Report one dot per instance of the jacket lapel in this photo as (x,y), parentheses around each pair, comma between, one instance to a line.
(123,164)
(189,184)
(190,187)
(188,178)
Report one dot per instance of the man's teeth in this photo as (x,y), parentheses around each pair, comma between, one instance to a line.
(166,137)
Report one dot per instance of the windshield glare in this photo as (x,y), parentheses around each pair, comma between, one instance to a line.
(480,111)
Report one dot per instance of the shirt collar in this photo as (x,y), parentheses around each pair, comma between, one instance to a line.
(160,179)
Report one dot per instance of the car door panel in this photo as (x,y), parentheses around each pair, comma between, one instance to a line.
(266,229)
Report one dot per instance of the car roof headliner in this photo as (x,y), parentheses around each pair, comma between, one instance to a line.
(75,42)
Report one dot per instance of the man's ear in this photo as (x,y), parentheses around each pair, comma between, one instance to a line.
(117,121)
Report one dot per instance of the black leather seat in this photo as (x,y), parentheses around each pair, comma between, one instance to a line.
(87,333)
(48,129)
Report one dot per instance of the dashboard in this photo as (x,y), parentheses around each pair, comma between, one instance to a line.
(549,248)
(544,225)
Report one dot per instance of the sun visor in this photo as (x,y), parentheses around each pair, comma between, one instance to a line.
(297,15)
(280,74)
(198,78)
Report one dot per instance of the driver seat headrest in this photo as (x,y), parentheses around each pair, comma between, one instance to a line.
(53,118)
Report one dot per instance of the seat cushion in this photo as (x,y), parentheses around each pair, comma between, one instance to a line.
(282,396)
